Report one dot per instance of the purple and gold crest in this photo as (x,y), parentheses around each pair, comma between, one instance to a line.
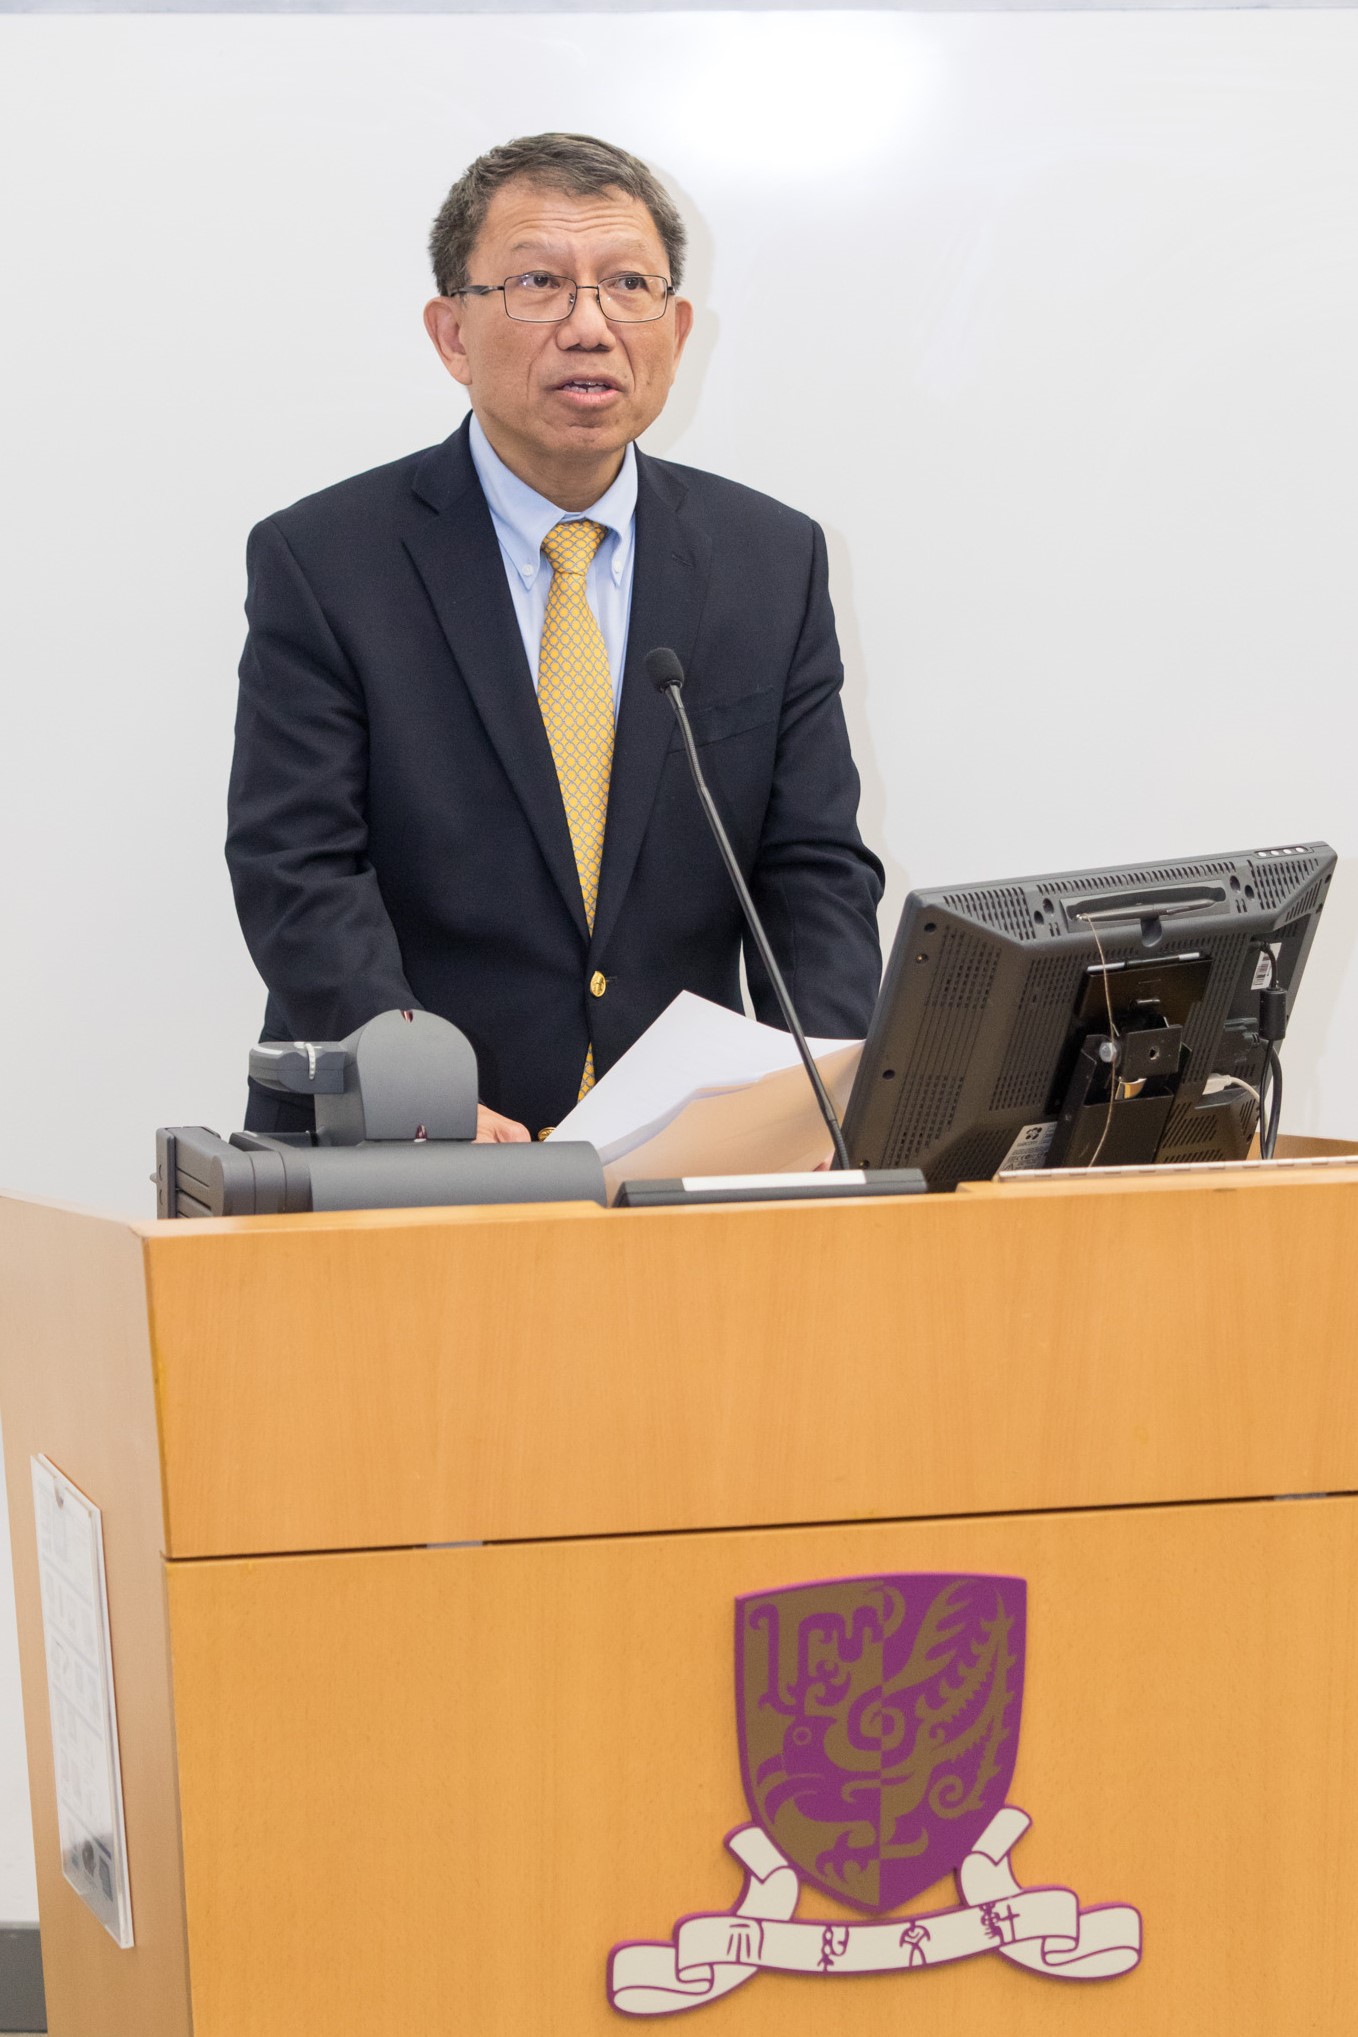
(878,1721)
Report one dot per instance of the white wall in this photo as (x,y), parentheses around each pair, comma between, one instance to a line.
(1088,463)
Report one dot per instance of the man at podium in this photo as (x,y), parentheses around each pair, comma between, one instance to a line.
(453,785)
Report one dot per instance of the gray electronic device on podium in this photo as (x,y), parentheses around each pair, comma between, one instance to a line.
(395,1129)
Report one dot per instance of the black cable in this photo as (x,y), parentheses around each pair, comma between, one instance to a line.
(1088,918)
(1272,1027)
(1268,1134)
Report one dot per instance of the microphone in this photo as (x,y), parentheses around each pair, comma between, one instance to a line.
(666,674)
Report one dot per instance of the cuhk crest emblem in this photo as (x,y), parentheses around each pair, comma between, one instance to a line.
(878,1724)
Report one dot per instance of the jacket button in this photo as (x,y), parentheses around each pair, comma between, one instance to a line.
(598,984)
(546,1131)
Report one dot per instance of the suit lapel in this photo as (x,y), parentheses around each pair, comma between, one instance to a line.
(668,584)
(457,555)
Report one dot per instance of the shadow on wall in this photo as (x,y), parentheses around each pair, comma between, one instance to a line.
(668,430)
(685,399)
(1315,1043)
(872,805)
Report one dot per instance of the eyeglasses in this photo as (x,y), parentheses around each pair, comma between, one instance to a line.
(540,298)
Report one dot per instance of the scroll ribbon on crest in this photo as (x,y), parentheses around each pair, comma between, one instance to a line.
(1043,1929)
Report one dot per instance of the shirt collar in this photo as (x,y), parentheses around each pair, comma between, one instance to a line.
(522,517)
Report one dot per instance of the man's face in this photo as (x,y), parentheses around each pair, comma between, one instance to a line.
(558,399)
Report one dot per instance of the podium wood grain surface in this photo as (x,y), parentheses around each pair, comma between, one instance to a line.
(538,1748)
(376,1786)
(580,1372)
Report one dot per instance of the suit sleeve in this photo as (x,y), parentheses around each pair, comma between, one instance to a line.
(816,885)
(297,840)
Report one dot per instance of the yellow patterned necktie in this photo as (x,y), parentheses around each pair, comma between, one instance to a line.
(575,693)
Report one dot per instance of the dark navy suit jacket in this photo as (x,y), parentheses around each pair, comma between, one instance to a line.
(397,836)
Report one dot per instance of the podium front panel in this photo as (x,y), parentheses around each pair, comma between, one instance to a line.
(428,1790)
(375,1786)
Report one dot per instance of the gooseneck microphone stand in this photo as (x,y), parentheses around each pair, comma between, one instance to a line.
(666,674)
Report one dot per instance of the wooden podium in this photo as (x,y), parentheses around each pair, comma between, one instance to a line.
(424,1529)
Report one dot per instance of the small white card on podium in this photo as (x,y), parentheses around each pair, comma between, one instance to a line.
(75,1625)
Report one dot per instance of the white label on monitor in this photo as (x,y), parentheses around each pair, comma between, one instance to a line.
(1263,968)
(1030,1148)
(90,1823)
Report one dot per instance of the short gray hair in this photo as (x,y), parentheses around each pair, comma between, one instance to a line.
(575,163)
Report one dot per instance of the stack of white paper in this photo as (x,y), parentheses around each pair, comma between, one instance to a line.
(708,1091)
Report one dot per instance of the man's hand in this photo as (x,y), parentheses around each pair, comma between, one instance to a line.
(493,1130)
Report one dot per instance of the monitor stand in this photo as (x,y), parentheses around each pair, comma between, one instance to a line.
(1146,1062)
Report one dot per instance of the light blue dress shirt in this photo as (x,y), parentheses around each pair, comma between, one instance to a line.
(522,519)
